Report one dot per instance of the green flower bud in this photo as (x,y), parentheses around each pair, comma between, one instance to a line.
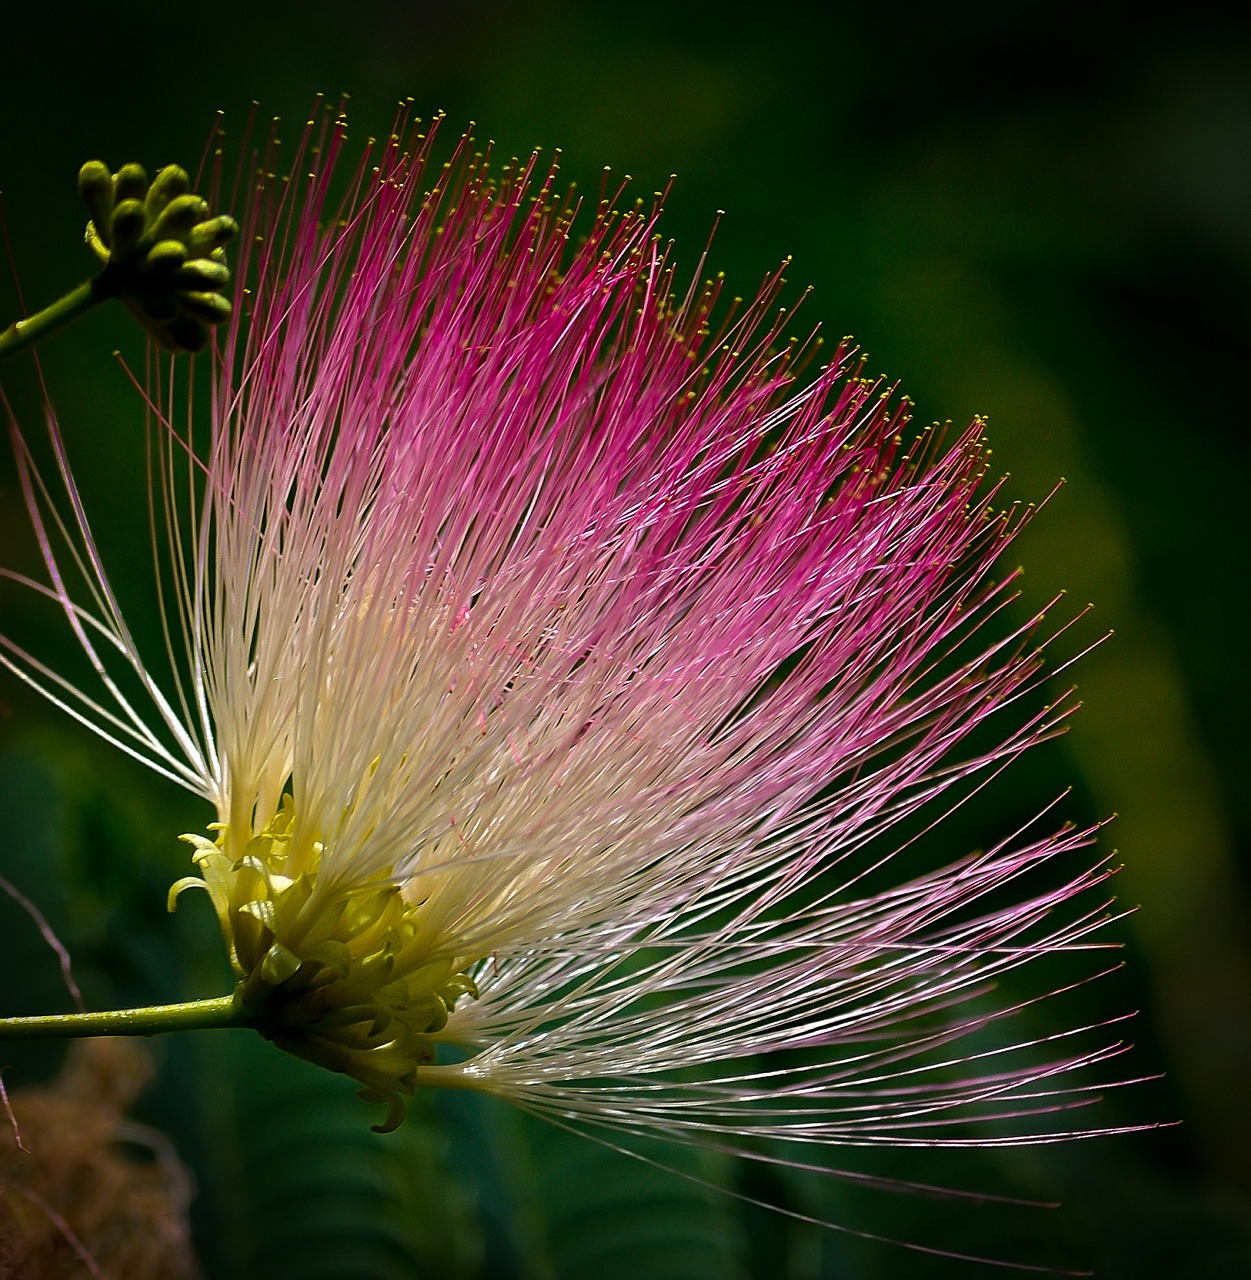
(212,308)
(130,183)
(162,253)
(166,257)
(95,185)
(203,274)
(126,228)
(170,183)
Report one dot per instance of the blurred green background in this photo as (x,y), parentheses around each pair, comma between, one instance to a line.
(1038,213)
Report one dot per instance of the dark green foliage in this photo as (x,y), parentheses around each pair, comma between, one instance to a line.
(582,1208)
(304,1190)
(299,1188)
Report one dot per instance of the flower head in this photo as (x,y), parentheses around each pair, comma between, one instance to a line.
(560,663)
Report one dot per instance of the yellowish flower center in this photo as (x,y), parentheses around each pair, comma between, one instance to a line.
(342,975)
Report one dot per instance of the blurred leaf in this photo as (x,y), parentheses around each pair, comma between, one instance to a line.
(303,1189)
(578,1208)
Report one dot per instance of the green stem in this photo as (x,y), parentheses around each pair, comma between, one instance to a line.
(22,333)
(191,1015)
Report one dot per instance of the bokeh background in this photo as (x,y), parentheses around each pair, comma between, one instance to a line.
(1039,213)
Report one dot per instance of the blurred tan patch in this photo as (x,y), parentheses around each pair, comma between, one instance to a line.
(92,1194)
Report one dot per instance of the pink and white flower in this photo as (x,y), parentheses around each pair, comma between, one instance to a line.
(560,664)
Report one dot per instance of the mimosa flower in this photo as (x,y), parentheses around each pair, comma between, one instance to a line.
(566,672)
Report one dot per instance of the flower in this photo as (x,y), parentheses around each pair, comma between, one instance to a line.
(565,668)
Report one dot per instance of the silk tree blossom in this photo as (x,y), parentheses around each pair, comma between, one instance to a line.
(564,666)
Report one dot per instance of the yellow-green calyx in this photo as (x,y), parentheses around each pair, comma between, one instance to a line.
(163,255)
(344,977)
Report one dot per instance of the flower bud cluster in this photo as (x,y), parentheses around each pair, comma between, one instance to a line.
(163,255)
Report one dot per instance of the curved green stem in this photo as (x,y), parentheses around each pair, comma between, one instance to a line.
(22,333)
(191,1015)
